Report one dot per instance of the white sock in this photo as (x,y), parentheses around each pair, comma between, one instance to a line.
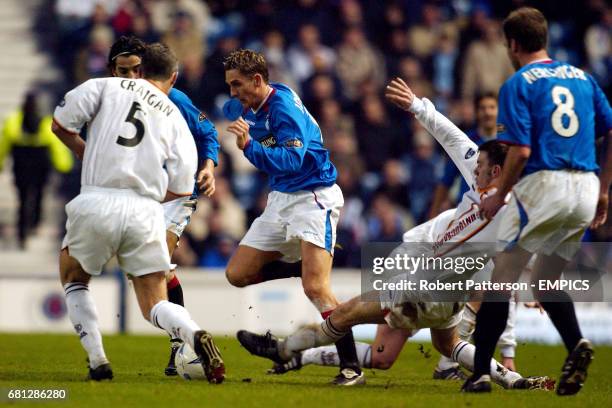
(175,320)
(308,337)
(446,363)
(84,317)
(328,355)
(464,352)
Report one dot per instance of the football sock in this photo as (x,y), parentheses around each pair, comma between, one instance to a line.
(490,324)
(280,270)
(465,329)
(175,320)
(175,291)
(347,352)
(84,317)
(328,355)
(563,316)
(463,353)
(308,337)
(445,363)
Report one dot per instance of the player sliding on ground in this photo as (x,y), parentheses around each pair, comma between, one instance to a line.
(139,151)
(382,353)
(408,310)
(296,233)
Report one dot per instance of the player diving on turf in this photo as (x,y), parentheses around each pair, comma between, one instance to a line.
(413,310)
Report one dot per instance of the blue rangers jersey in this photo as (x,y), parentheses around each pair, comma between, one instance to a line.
(286,142)
(202,129)
(557,110)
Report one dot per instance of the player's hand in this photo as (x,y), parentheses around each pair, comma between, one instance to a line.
(491,205)
(601,214)
(399,94)
(206,178)
(508,362)
(240,128)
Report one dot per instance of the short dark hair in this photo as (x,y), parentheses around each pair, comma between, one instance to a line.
(125,46)
(484,95)
(528,27)
(496,151)
(158,62)
(247,62)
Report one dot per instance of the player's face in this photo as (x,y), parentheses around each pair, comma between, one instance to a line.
(243,88)
(487,113)
(127,66)
(485,173)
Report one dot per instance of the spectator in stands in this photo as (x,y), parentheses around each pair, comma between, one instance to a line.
(424,165)
(302,55)
(27,136)
(386,223)
(487,65)
(91,61)
(358,61)
(183,38)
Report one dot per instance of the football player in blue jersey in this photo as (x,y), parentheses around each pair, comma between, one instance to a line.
(124,61)
(295,235)
(550,113)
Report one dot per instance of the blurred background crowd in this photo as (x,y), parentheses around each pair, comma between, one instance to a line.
(338,55)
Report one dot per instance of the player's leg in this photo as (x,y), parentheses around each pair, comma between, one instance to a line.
(493,314)
(336,326)
(562,313)
(150,291)
(83,314)
(175,295)
(245,266)
(381,354)
(447,368)
(448,343)
(316,275)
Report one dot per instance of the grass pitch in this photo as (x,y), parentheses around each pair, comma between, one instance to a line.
(58,361)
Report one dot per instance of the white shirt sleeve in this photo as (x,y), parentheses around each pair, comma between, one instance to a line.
(79,105)
(182,162)
(461,149)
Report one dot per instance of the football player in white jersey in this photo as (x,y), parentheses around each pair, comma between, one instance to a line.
(412,310)
(139,152)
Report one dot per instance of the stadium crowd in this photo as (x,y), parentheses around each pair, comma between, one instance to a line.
(338,55)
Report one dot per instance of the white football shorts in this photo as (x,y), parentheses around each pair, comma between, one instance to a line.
(289,218)
(177,215)
(103,222)
(547,209)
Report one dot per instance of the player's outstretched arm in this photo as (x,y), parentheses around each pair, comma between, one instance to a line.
(461,149)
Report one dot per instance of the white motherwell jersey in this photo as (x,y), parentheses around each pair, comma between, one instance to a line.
(136,138)
(462,224)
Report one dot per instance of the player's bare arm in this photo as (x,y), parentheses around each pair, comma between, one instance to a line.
(206,178)
(399,93)
(72,140)
(513,167)
(605,180)
(240,128)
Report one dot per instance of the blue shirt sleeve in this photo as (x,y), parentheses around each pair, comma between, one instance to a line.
(288,154)
(450,174)
(603,112)
(202,129)
(514,120)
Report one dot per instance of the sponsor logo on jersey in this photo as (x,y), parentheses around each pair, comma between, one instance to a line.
(501,128)
(469,153)
(202,117)
(62,103)
(268,141)
(294,143)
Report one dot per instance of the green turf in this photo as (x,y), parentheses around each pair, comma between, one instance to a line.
(57,361)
